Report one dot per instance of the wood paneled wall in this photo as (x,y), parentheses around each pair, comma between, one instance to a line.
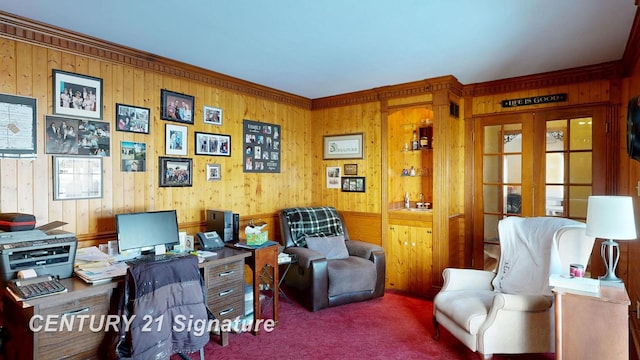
(26,185)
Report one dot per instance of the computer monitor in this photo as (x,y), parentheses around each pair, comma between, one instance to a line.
(145,230)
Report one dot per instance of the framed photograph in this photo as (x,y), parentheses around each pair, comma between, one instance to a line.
(353,184)
(77,95)
(333,177)
(19,123)
(349,146)
(133,156)
(77,177)
(214,172)
(175,140)
(212,115)
(175,171)
(213,144)
(133,119)
(65,135)
(351,169)
(176,107)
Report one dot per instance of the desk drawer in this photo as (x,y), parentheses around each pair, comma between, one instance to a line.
(79,336)
(224,274)
(227,302)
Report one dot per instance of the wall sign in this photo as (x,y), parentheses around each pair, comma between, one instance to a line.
(261,147)
(534,100)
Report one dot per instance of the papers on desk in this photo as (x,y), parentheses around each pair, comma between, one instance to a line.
(92,266)
(244,245)
(203,255)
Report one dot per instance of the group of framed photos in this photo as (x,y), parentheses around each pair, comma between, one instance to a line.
(349,182)
(75,134)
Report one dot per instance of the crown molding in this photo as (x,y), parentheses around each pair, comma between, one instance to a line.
(413,88)
(36,33)
(605,71)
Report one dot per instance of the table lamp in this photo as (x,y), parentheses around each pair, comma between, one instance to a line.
(610,217)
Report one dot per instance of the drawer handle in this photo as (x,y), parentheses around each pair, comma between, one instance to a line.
(75,312)
(226,292)
(227,273)
(225,312)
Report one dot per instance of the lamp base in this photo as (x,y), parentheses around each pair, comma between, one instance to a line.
(610,255)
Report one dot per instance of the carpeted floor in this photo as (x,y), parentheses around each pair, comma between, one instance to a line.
(393,327)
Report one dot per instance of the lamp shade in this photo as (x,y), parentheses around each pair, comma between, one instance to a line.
(611,217)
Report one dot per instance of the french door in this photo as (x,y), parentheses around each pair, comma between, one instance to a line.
(534,164)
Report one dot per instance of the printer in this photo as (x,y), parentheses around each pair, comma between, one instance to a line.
(52,252)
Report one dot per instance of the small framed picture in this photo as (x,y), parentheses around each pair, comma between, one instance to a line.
(351,169)
(353,184)
(176,107)
(77,177)
(175,140)
(333,177)
(77,95)
(131,118)
(213,172)
(212,144)
(212,115)
(133,156)
(175,171)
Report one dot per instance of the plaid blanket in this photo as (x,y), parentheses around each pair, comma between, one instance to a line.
(312,222)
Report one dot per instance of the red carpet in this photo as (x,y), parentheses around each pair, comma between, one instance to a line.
(393,327)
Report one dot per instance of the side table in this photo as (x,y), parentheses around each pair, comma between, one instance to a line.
(259,259)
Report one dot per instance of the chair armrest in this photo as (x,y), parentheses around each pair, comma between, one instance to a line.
(511,302)
(305,255)
(467,279)
(362,249)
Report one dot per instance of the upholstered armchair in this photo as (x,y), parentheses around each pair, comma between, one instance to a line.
(512,312)
(332,269)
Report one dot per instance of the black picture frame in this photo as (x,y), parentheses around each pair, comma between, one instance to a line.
(212,144)
(73,136)
(77,95)
(19,118)
(130,118)
(176,106)
(175,172)
(351,169)
(353,184)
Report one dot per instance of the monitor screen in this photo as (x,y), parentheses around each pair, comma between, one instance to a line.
(145,230)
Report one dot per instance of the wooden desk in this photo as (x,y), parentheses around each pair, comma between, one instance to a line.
(592,326)
(259,259)
(224,283)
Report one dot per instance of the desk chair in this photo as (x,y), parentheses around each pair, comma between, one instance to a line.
(158,293)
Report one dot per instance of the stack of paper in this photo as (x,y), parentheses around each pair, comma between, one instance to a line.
(92,265)
(575,283)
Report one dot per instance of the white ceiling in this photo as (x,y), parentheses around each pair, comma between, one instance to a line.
(322,48)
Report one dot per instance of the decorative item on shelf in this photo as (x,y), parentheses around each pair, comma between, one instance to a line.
(406,200)
(610,217)
(414,141)
(405,172)
(426,136)
(412,171)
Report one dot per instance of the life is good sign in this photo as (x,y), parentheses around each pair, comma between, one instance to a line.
(534,100)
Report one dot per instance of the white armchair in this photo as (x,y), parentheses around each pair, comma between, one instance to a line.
(511,312)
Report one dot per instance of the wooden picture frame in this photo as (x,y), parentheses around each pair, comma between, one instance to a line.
(212,144)
(348,146)
(353,184)
(351,169)
(77,177)
(214,172)
(133,119)
(77,95)
(175,172)
(176,106)
(212,115)
(175,140)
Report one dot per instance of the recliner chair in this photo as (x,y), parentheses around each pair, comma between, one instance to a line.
(332,269)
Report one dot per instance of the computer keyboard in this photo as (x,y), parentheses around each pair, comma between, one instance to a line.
(143,259)
(36,287)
